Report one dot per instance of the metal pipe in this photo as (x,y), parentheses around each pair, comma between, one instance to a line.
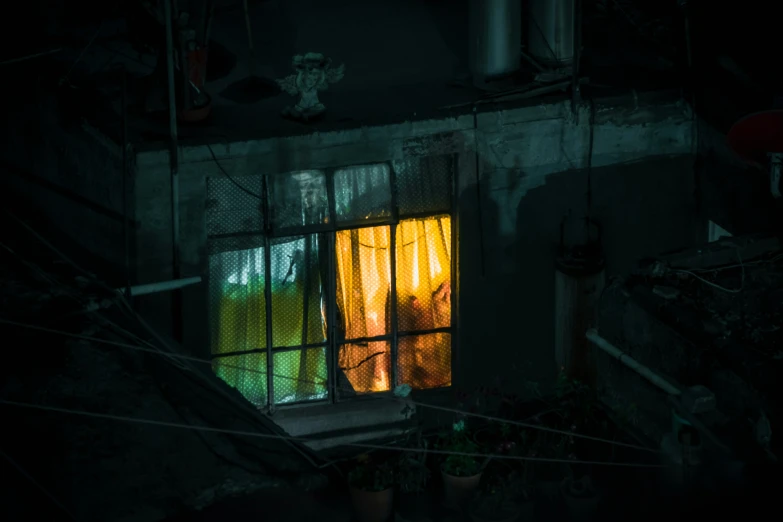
(162,286)
(495,35)
(609,348)
(551,32)
(174,167)
(124,167)
(30,56)
(577,43)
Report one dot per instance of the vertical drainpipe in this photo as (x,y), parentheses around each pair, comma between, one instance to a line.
(576,95)
(125,205)
(174,168)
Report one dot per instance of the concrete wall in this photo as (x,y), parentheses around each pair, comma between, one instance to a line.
(532,175)
(66,175)
(531,172)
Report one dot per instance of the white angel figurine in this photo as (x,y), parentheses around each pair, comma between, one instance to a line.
(312,73)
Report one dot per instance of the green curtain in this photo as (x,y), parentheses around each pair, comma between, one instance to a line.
(238,312)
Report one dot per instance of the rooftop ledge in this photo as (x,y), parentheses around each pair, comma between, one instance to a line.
(632,108)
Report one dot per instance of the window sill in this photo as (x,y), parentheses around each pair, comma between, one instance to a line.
(354,421)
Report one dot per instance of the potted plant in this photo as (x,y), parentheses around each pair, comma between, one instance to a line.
(461,473)
(581,498)
(503,498)
(411,470)
(372,490)
(549,474)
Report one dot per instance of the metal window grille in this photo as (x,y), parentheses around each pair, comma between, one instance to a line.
(344,275)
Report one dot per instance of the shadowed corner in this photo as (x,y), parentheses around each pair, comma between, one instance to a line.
(251,90)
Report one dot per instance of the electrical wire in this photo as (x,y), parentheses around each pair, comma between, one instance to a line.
(230,178)
(254,415)
(253,412)
(210,429)
(37,484)
(715,285)
(402,400)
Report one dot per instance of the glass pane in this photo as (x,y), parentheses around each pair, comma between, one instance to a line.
(363,282)
(246,373)
(424,184)
(230,209)
(364,368)
(424,274)
(300,375)
(237,307)
(424,361)
(298,306)
(298,199)
(362,193)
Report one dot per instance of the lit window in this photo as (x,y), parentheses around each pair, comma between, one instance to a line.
(336,257)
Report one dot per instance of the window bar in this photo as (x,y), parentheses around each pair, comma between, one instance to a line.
(332,359)
(278,349)
(395,211)
(393,268)
(331,303)
(305,310)
(270,360)
(393,304)
(454,213)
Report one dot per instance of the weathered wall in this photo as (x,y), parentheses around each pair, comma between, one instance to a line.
(531,172)
(69,175)
(532,175)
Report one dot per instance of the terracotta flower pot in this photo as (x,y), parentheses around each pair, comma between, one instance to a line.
(373,506)
(548,490)
(509,512)
(459,491)
(581,499)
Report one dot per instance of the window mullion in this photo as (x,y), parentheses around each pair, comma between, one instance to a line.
(331,357)
(393,304)
(270,360)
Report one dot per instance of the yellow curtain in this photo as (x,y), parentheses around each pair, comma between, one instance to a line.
(239,322)
(363,284)
(241,325)
(424,301)
(423,253)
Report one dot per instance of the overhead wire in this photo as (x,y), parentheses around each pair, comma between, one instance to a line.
(139,420)
(255,415)
(175,355)
(37,484)
(456,411)
(716,285)
(231,178)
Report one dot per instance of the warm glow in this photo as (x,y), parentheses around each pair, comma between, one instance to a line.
(381,382)
(423,253)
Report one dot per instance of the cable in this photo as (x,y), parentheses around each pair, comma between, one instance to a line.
(255,415)
(727,267)
(52,281)
(139,420)
(715,285)
(255,412)
(231,179)
(407,401)
(66,79)
(37,484)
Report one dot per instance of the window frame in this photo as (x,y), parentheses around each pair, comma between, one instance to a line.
(269,233)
